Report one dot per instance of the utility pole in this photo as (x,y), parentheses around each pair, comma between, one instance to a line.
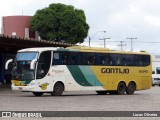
(104,41)
(89,41)
(94,35)
(121,45)
(131,42)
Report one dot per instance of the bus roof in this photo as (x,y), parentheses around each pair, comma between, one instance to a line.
(98,49)
(38,49)
(80,48)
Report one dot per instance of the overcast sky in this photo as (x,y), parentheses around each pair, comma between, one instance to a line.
(120,19)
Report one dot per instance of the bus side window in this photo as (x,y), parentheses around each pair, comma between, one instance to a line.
(101,60)
(138,60)
(74,58)
(56,58)
(83,58)
(107,60)
(128,60)
(104,59)
(65,58)
(145,60)
(91,60)
(116,59)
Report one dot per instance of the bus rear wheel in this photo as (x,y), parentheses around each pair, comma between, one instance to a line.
(131,88)
(121,88)
(38,93)
(58,89)
(101,92)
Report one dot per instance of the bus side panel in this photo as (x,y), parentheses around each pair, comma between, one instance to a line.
(62,73)
(110,76)
(145,83)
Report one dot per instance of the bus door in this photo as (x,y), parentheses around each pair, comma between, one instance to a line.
(43,71)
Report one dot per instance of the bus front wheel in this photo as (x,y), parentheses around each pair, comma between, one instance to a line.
(38,93)
(121,88)
(131,88)
(58,89)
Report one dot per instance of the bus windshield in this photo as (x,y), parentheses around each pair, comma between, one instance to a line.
(21,68)
(26,56)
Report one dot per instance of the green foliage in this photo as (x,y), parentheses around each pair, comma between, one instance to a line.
(60,23)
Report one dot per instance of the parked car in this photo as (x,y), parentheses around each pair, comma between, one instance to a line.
(156,70)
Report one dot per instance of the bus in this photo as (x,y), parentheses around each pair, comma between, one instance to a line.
(78,68)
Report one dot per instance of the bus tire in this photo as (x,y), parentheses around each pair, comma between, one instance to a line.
(38,93)
(131,88)
(121,88)
(58,89)
(101,92)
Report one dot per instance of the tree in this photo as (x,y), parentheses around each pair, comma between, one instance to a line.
(60,23)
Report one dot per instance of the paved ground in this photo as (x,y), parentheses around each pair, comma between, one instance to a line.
(146,100)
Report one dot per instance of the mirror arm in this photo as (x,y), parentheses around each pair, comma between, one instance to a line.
(7,63)
(32,64)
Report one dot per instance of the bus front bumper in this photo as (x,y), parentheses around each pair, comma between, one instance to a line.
(23,88)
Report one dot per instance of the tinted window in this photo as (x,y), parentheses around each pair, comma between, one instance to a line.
(138,60)
(115,59)
(128,60)
(65,58)
(91,59)
(84,58)
(158,70)
(43,64)
(103,59)
(142,60)
(73,58)
(56,58)
(145,60)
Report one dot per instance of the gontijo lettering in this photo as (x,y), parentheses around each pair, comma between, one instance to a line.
(115,70)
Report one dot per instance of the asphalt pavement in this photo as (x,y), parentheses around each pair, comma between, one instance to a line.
(145,100)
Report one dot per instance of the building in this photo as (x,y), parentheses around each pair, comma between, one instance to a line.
(17,26)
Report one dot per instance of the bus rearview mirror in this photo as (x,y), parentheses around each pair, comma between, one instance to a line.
(7,63)
(32,65)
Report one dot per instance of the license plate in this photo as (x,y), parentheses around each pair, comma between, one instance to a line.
(20,88)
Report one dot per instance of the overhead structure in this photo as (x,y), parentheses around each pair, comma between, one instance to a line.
(11,44)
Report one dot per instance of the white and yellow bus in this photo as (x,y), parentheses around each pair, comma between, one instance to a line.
(55,70)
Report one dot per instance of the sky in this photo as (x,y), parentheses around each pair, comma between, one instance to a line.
(120,19)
